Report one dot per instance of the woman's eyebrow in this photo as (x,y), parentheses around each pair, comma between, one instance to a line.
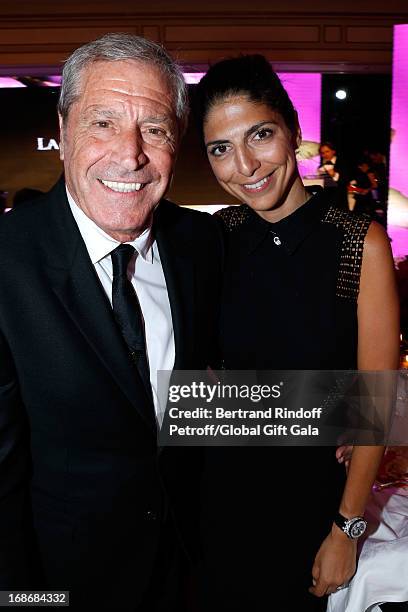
(216,142)
(249,131)
(257,126)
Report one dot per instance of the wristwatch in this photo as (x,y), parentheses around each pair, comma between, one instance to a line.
(353,527)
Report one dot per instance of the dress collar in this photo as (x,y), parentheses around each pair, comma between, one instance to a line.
(291,231)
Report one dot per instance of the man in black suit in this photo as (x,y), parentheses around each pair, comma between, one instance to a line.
(334,174)
(88,503)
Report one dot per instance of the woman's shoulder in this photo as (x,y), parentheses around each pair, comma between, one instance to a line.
(353,230)
(358,230)
(232,217)
(354,226)
(378,257)
(376,240)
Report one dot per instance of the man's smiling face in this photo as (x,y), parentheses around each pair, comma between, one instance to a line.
(119,145)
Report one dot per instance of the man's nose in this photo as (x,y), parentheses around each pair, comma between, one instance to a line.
(246,161)
(130,151)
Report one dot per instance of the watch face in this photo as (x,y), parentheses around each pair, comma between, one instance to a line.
(357,528)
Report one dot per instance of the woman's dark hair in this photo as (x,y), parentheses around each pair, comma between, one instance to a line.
(248,75)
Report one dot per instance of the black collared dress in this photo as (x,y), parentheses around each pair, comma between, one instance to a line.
(289,303)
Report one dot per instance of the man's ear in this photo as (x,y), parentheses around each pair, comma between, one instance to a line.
(61,143)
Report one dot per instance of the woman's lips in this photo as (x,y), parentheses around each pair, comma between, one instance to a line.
(260,185)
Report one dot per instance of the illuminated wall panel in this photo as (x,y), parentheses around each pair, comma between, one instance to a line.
(398,199)
(305,93)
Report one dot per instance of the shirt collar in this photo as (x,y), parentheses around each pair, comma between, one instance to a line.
(291,231)
(99,244)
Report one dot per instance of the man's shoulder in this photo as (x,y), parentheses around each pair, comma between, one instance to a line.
(192,231)
(197,219)
(181,210)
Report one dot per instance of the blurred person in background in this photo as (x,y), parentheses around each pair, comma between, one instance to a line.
(3,201)
(378,165)
(360,188)
(334,173)
(25,195)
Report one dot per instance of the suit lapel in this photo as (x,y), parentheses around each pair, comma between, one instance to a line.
(76,284)
(174,239)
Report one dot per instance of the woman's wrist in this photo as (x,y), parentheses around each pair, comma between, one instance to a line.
(338,535)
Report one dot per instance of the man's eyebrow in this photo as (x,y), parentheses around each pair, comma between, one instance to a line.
(107,113)
(97,111)
(157,119)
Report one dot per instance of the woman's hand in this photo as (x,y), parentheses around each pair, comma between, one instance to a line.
(343,455)
(335,563)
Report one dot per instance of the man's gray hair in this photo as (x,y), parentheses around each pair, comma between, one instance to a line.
(116,47)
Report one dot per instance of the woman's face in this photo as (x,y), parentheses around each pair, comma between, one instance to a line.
(251,151)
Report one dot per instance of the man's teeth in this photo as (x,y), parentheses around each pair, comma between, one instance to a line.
(258,184)
(122,187)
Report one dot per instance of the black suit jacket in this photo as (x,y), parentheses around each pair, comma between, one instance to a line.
(83,488)
(337,191)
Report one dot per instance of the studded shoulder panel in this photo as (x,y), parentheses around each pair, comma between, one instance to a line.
(354,232)
(233,216)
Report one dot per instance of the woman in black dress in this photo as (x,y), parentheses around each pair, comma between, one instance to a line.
(307,286)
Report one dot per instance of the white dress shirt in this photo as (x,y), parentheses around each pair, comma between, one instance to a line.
(332,162)
(146,274)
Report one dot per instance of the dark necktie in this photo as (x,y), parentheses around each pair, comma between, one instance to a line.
(127,312)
